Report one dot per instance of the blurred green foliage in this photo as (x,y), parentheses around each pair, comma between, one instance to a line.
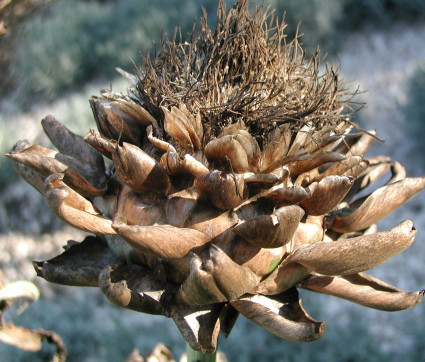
(414,109)
(381,13)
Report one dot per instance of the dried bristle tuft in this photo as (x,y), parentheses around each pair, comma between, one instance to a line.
(245,70)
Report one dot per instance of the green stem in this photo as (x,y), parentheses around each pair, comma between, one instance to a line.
(197,356)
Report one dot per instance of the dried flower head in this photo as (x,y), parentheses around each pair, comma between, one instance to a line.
(233,183)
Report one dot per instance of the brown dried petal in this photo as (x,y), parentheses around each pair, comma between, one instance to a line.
(174,164)
(260,260)
(356,170)
(158,143)
(200,287)
(20,337)
(211,221)
(228,317)
(340,257)
(88,181)
(282,315)
(251,148)
(134,111)
(281,195)
(324,139)
(377,167)
(318,159)
(114,123)
(80,184)
(285,160)
(91,175)
(71,144)
(215,278)
(309,231)
(40,150)
(79,265)
(326,194)
(138,170)
(340,167)
(365,290)
(358,145)
(379,204)
(271,231)
(297,145)
(232,129)
(349,256)
(195,121)
(164,241)
(277,145)
(185,207)
(228,148)
(188,122)
(224,190)
(100,143)
(44,165)
(282,279)
(74,209)
(199,324)
(398,173)
(30,176)
(261,179)
(174,126)
(133,287)
(139,208)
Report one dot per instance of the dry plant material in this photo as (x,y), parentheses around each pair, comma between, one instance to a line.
(233,169)
(22,337)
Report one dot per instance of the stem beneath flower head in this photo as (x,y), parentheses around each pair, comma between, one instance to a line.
(198,356)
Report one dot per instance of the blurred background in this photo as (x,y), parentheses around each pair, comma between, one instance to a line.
(55,54)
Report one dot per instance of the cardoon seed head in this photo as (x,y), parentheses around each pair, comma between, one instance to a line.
(232,179)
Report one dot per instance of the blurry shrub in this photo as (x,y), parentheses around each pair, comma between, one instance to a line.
(327,22)
(383,13)
(317,18)
(414,109)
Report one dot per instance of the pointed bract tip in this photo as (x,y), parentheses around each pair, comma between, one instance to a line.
(38,266)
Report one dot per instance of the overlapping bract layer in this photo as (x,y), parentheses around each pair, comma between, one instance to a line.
(225,191)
